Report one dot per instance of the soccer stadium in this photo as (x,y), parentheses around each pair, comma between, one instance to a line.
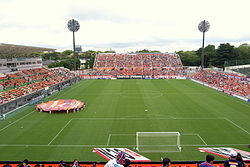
(147,103)
(102,105)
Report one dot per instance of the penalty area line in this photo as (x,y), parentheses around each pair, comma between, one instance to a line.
(108,139)
(116,134)
(196,134)
(202,139)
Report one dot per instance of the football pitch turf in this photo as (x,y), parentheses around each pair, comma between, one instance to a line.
(116,110)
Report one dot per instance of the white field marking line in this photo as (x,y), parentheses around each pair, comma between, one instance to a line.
(194,118)
(108,139)
(226,95)
(175,118)
(236,125)
(195,134)
(72,145)
(188,134)
(60,131)
(116,134)
(17,109)
(127,94)
(142,119)
(129,134)
(127,118)
(202,139)
(160,115)
(16,121)
(234,98)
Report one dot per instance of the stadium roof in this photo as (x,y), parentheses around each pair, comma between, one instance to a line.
(12,51)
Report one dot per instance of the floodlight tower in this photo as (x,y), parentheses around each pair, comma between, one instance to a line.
(74,26)
(203,27)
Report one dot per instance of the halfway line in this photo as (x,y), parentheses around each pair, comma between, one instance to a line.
(59,132)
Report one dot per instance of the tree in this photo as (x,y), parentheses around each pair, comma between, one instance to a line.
(67,52)
(109,51)
(50,56)
(147,51)
(67,63)
(189,58)
(244,52)
(87,54)
(90,57)
(55,64)
(224,53)
(209,55)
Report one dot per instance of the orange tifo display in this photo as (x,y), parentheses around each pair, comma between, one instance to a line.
(60,105)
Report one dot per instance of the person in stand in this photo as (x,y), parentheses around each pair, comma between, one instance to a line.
(119,161)
(25,163)
(75,163)
(127,163)
(2,116)
(239,158)
(232,162)
(209,161)
(166,162)
(62,164)
(7,165)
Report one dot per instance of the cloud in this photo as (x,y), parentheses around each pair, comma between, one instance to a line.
(124,25)
(96,15)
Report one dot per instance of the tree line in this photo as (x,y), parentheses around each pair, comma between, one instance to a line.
(224,55)
(66,58)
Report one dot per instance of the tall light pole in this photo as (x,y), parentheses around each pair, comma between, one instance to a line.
(74,26)
(203,27)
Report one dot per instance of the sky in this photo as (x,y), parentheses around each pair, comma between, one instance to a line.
(124,25)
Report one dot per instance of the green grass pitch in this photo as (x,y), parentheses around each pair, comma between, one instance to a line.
(116,110)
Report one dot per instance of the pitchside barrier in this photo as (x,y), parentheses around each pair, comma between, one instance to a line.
(101,164)
(34,97)
(133,77)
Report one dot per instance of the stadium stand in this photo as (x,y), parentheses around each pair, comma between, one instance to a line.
(228,82)
(245,71)
(136,64)
(111,60)
(32,80)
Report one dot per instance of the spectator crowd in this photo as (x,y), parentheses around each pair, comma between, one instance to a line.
(234,160)
(228,82)
(137,64)
(29,81)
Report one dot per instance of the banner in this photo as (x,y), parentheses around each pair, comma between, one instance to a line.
(96,76)
(111,153)
(225,152)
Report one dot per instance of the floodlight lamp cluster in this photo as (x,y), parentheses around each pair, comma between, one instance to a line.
(204,26)
(73,25)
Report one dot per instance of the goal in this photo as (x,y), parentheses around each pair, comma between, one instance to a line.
(158,141)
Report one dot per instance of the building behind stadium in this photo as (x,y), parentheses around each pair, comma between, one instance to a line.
(19,57)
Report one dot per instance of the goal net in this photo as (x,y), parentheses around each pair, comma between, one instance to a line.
(158,141)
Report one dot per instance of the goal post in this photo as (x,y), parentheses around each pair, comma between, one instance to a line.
(158,141)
